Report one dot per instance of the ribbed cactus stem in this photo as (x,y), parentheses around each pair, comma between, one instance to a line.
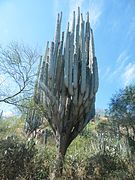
(59,66)
(71,74)
(66,58)
(87,84)
(93,47)
(91,55)
(38,73)
(78,19)
(60,19)
(75,72)
(69,80)
(77,32)
(51,62)
(46,52)
(73,25)
(42,71)
(45,59)
(57,34)
(56,44)
(87,38)
(83,62)
(71,58)
(95,73)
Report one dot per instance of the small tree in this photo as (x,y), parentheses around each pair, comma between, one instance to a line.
(17,73)
(122,113)
(67,83)
(122,107)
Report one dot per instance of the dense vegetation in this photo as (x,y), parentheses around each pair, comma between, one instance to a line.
(104,150)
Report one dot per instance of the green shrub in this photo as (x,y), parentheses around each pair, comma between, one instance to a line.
(101,165)
(20,160)
(15,156)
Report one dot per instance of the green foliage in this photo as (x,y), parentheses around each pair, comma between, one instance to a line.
(15,157)
(11,126)
(95,154)
(100,165)
(44,162)
(122,106)
(122,115)
(22,160)
(34,115)
(87,159)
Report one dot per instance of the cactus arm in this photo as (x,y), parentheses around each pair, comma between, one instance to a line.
(83,58)
(71,58)
(95,72)
(66,58)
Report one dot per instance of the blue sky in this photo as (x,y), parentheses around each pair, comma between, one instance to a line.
(113,22)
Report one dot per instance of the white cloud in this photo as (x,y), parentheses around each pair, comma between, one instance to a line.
(121,63)
(122,58)
(95,10)
(7,114)
(124,71)
(106,74)
(94,7)
(129,74)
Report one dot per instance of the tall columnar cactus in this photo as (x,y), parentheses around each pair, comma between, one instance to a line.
(68,81)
